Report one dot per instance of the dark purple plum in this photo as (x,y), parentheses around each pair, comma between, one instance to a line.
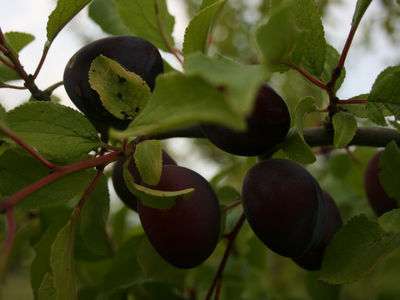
(119,184)
(312,259)
(284,206)
(377,197)
(186,234)
(267,125)
(133,53)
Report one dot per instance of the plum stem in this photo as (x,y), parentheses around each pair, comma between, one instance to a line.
(232,205)
(352,101)
(9,133)
(10,86)
(58,173)
(46,49)
(217,282)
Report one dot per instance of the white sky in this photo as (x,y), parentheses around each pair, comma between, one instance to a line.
(31,16)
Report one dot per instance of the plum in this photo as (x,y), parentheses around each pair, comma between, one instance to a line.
(267,125)
(187,233)
(135,54)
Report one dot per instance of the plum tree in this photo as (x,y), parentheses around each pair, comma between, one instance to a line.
(186,234)
(133,53)
(312,259)
(267,125)
(377,197)
(286,208)
(118,180)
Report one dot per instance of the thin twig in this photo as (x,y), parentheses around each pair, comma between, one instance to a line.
(89,190)
(160,25)
(49,91)
(9,133)
(10,86)
(309,77)
(218,289)
(231,240)
(8,242)
(6,63)
(60,172)
(41,62)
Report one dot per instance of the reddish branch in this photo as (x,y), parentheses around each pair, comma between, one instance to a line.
(10,86)
(231,240)
(41,62)
(352,101)
(233,205)
(9,133)
(59,173)
(309,77)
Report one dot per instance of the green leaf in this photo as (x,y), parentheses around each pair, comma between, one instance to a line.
(199,28)
(294,35)
(207,3)
(355,250)
(123,93)
(319,290)
(151,197)
(62,262)
(18,40)
(51,220)
(385,93)
(239,82)
(93,222)
(105,14)
(62,14)
(297,149)
(389,174)
(390,221)
(125,270)
(140,17)
(18,170)
(361,8)
(7,74)
(47,290)
(148,159)
(345,128)
(304,106)
(58,132)
(180,101)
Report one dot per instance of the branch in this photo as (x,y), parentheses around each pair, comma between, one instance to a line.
(10,86)
(315,137)
(352,101)
(309,77)
(60,172)
(9,133)
(232,205)
(365,136)
(42,60)
(231,239)
(8,242)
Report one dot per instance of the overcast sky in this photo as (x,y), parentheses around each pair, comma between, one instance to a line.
(31,16)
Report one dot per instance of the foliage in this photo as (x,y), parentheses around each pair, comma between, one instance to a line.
(61,218)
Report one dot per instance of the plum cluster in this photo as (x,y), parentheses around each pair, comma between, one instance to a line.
(283,203)
(289,212)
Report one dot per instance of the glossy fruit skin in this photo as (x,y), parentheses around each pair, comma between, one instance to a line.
(118,181)
(186,234)
(134,54)
(312,259)
(284,206)
(267,125)
(377,197)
